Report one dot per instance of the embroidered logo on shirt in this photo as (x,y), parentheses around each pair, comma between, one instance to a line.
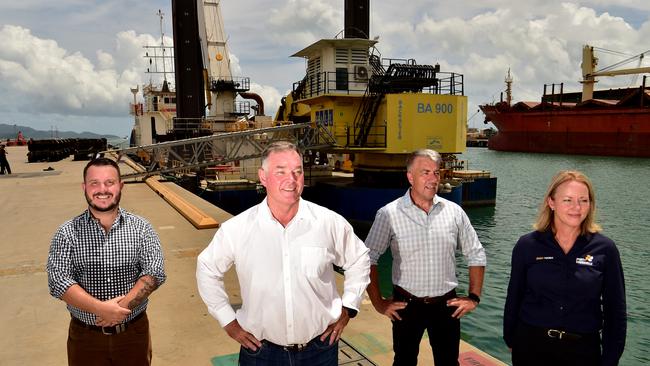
(586,261)
(543,258)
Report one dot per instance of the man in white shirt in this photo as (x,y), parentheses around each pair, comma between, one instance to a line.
(284,250)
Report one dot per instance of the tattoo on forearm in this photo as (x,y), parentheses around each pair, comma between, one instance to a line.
(149,286)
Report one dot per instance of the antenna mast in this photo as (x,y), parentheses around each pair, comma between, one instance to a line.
(162,43)
(508,81)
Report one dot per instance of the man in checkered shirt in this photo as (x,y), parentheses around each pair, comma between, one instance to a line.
(423,232)
(104,264)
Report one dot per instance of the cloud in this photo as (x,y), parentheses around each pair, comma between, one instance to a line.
(299,23)
(269,94)
(50,79)
(85,68)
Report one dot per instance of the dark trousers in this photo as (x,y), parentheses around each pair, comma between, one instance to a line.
(316,353)
(443,331)
(533,347)
(89,347)
(4,165)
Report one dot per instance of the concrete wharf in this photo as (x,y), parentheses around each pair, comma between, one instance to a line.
(35,201)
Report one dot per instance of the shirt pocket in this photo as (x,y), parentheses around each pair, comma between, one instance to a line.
(314,260)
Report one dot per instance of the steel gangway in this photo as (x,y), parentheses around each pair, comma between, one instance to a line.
(220,148)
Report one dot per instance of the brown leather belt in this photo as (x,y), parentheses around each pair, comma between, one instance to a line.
(117,329)
(429,300)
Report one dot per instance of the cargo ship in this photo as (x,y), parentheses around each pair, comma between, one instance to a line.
(613,122)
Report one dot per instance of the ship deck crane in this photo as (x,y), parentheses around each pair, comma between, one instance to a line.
(589,62)
(203,73)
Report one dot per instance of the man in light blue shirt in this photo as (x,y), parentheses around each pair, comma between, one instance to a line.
(423,232)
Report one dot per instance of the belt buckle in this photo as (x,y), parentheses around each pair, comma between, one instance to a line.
(298,347)
(114,330)
(554,333)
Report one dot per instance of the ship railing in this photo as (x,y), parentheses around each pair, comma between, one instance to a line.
(457,164)
(337,82)
(191,126)
(375,138)
(449,83)
(242,108)
(356,83)
(386,62)
(236,83)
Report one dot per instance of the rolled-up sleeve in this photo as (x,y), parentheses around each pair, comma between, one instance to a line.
(378,239)
(469,243)
(152,260)
(59,263)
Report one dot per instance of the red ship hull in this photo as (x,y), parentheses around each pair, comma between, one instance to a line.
(591,128)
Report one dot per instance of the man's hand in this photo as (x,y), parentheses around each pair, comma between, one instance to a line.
(110,313)
(389,308)
(464,306)
(335,329)
(236,332)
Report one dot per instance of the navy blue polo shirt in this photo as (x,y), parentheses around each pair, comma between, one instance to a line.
(582,291)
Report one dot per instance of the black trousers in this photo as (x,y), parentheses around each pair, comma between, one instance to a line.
(533,347)
(443,331)
(4,165)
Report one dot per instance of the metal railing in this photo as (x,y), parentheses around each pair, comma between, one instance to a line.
(200,152)
(421,78)
(236,83)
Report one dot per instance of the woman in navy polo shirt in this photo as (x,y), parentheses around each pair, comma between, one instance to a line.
(566,296)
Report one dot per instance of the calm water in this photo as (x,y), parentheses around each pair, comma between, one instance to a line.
(622,195)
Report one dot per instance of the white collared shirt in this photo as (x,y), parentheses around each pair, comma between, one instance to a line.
(286,278)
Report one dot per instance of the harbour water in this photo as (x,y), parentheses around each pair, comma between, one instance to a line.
(622,193)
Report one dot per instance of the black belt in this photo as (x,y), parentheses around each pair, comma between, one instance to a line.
(429,300)
(117,329)
(558,334)
(297,347)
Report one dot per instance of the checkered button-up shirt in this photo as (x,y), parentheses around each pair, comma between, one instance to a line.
(424,245)
(104,264)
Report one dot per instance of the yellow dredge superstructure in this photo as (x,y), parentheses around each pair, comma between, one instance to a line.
(379,109)
(352,109)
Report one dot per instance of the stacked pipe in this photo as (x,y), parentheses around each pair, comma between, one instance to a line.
(51,150)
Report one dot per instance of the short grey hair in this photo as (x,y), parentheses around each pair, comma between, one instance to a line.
(424,153)
(278,146)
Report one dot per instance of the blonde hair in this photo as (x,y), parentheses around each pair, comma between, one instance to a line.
(545,216)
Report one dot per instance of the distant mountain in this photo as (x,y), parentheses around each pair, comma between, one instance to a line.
(10,131)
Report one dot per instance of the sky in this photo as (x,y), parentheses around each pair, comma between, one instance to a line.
(69,65)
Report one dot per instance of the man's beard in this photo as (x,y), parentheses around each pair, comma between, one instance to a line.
(111,207)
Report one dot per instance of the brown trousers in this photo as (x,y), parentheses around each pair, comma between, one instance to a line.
(89,347)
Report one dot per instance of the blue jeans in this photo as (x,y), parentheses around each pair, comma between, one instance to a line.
(316,353)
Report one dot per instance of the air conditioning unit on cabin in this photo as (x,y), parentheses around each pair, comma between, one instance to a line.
(361,72)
